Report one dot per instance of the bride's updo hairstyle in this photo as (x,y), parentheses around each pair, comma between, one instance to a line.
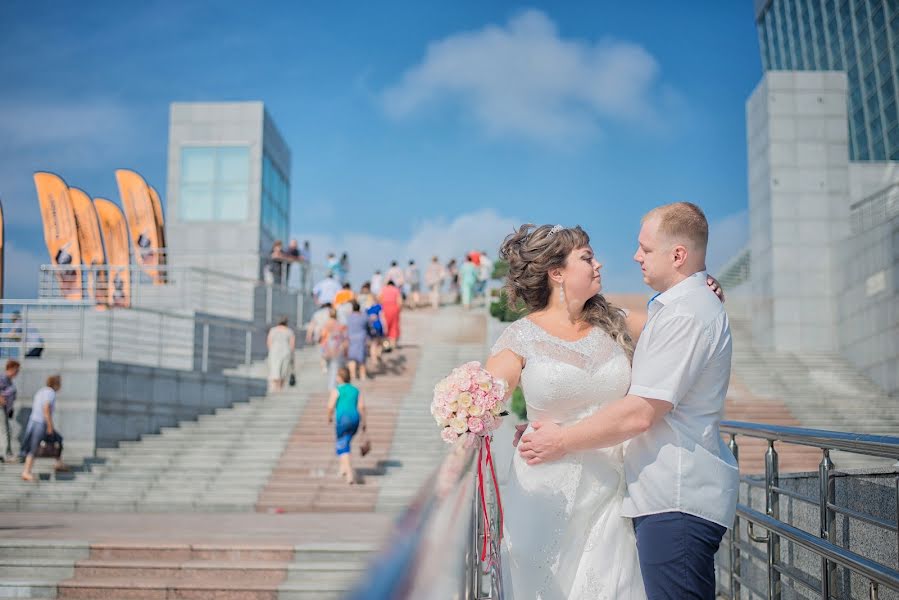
(532,252)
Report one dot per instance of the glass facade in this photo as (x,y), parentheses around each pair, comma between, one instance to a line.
(860,37)
(214,183)
(275,201)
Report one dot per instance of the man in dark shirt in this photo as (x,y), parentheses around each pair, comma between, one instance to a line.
(7,401)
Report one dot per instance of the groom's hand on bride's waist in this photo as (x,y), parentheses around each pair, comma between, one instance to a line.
(544,444)
(519,431)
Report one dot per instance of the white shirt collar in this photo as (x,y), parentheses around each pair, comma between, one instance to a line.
(695,280)
(677,290)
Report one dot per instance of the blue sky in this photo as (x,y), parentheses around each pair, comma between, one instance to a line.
(415,127)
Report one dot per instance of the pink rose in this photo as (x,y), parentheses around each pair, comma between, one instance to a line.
(449,436)
(475,425)
(490,422)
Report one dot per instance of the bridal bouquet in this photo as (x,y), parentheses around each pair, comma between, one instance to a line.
(468,401)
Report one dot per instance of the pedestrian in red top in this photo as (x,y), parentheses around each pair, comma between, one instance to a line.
(391,305)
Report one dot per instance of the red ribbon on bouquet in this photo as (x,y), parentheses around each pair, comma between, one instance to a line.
(485,457)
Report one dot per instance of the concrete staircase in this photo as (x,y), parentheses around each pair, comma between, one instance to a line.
(249,463)
(82,571)
(820,391)
(305,478)
(417,447)
(220,462)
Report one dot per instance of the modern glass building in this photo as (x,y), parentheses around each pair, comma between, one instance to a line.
(228,186)
(860,37)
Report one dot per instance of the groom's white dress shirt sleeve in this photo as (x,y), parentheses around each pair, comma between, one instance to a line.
(677,348)
(683,357)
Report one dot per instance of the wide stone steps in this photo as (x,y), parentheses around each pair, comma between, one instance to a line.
(417,445)
(306,476)
(141,570)
(219,462)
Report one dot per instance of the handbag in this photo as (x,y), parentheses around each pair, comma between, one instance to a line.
(50,447)
(365,445)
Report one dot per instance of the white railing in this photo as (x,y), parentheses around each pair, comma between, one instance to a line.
(136,336)
(174,289)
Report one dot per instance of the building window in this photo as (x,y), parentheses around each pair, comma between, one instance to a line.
(275,201)
(214,183)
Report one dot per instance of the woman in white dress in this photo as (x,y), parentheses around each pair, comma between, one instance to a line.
(281,343)
(564,537)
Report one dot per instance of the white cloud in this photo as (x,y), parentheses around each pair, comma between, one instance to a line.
(727,236)
(524,80)
(445,238)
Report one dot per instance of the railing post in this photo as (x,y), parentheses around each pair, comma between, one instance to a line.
(248,348)
(109,318)
(24,335)
(204,359)
(826,517)
(735,559)
(474,573)
(159,340)
(81,329)
(772,508)
(268,304)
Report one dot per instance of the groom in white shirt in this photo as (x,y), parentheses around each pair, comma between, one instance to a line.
(682,480)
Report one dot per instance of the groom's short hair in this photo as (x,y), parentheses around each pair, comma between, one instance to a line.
(682,221)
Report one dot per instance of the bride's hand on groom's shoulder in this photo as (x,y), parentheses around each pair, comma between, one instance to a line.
(544,444)
(519,431)
(715,286)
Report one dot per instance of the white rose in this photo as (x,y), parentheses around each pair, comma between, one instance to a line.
(459,425)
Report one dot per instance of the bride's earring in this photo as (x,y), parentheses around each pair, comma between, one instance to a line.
(561,293)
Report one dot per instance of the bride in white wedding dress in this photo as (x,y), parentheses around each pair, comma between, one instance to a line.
(564,537)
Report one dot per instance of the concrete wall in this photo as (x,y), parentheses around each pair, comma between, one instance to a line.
(232,247)
(134,400)
(798,185)
(869,284)
(102,403)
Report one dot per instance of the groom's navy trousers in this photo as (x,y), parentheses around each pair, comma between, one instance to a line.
(677,555)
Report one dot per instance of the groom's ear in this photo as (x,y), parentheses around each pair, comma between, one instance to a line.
(679,254)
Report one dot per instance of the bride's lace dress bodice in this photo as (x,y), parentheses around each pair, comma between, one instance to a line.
(564,536)
(565,381)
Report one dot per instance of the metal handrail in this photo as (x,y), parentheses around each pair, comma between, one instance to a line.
(830,554)
(434,549)
(883,446)
(866,567)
